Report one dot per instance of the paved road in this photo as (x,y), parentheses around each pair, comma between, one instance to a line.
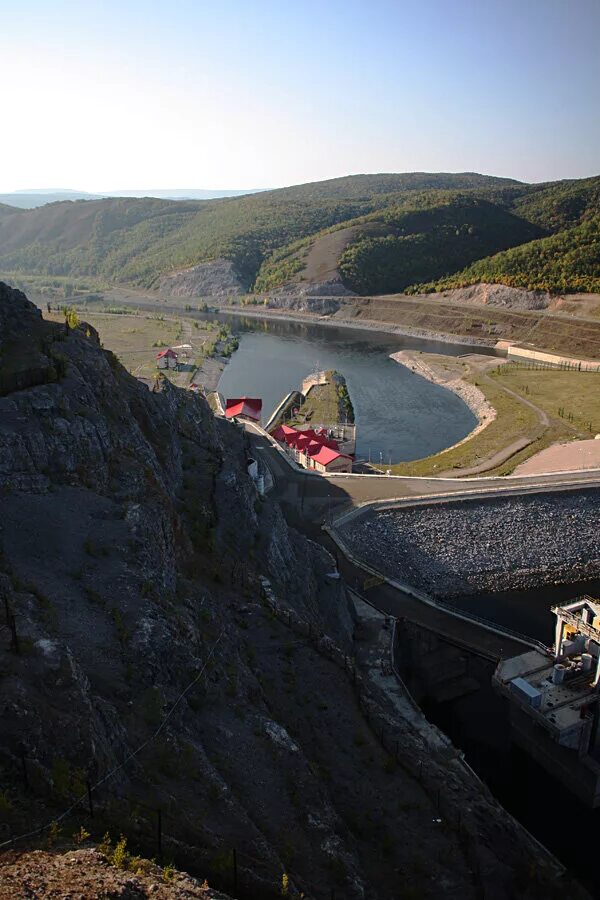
(310,499)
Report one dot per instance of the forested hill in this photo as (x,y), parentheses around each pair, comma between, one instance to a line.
(397,231)
(567,259)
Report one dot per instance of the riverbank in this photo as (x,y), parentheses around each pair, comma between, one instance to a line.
(424,334)
(208,374)
(449,373)
(510,427)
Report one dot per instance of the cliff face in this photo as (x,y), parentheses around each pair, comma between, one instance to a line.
(217,278)
(133,556)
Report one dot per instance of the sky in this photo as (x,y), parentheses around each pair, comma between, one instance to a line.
(242,94)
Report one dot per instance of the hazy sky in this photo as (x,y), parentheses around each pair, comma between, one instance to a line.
(250,93)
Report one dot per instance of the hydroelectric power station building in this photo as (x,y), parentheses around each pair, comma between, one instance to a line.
(553,699)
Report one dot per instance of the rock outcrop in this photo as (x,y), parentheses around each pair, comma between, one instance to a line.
(142,655)
(300,302)
(500,295)
(217,278)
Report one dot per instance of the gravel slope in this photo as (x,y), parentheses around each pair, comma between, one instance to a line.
(472,546)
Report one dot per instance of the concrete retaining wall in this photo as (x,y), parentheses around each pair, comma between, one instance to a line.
(287,400)
(482,493)
(427,599)
(552,360)
(312,381)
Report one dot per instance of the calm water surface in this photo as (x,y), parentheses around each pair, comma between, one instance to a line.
(399,415)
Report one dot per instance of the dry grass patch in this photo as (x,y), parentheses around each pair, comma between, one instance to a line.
(568,396)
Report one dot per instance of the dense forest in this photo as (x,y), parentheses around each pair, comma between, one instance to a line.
(564,262)
(403,232)
(425,244)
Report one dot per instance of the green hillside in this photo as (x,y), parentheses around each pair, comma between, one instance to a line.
(402,230)
(135,240)
(559,205)
(424,244)
(564,262)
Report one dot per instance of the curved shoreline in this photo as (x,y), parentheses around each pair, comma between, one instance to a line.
(423,334)
(474,398)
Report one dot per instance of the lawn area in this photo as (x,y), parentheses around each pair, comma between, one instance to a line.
(136,338)
(326,404)
(575,394)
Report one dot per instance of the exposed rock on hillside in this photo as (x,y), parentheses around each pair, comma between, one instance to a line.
(217,278)
(151,661)
(498,295)
(299,302)
(308,290)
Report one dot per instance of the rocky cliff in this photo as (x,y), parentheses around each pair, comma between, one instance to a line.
(217,278)
(143,655)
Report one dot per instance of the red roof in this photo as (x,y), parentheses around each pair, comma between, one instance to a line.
(326,455)
(305,439)
(283,432)
(167,352)
(243,406)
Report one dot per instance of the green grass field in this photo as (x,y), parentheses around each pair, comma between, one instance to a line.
(137,338)
(561,394)
(324,405)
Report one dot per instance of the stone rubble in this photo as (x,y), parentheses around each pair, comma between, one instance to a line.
(490,545)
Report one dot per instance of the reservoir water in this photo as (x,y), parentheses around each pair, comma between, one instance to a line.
(399,415)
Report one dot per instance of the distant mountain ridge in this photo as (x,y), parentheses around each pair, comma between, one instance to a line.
(31,199)
(380,233)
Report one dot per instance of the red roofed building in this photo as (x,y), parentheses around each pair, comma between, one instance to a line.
(245,408)
(166,359)
(282,433)
(324,459)
(312,449)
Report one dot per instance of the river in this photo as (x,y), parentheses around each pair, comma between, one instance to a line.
(399,415)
